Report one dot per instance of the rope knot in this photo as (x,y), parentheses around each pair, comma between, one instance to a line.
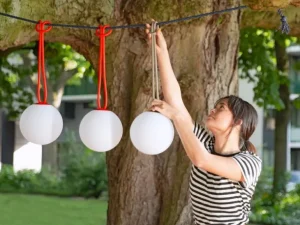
(284,24)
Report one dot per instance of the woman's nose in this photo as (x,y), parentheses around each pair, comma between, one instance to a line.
(212,112)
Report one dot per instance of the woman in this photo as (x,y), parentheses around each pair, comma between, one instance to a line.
(225,167)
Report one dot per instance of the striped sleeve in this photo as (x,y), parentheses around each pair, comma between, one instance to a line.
(250,165)
(201,133)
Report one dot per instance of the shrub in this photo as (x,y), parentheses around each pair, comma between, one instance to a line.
(81,172)
(284,209)
(85,173)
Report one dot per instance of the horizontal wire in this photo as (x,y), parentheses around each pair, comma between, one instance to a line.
(126,26)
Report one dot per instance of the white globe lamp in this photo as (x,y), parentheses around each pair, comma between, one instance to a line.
(41,124)
(101,130)
(151,133)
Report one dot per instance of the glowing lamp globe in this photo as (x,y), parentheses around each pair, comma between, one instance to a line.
(101,130)
(41,124)
(151,133)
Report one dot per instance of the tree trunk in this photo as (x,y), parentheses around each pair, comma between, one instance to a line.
(50,151)
(7,135)
(153,190)
(282,119)
(50,156)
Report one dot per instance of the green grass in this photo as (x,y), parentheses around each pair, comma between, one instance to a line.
(18,209)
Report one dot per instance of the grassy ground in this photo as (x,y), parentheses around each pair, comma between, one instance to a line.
(17,209)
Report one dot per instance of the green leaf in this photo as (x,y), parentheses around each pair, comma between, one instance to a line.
(257,63)
(296,103)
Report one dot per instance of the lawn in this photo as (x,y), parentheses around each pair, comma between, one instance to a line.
(18,209)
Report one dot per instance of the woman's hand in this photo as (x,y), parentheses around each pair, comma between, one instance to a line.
(164,108)
(161,45)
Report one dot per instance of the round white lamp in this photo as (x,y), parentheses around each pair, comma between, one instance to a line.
(101,130)
(41,124)
(151,133)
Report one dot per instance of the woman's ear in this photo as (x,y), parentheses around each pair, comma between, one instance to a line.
(239,122)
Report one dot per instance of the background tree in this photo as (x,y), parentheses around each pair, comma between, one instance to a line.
(19,72)
(149,190)
(13,98)
(264,60)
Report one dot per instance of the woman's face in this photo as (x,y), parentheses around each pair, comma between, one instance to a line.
(220,119)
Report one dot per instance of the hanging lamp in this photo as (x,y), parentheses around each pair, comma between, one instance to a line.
(41,123)
(101,130)
(151,132)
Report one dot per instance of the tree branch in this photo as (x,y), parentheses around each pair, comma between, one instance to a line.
(26,65)
(271,19)
(270,4)
(30,83)
(4,53)
(62,80)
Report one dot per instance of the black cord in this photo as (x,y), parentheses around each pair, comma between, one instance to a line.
(284,24)
(127,26)
(201,15)
(18,18)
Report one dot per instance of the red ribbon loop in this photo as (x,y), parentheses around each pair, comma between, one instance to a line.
(100,32)
(40,27)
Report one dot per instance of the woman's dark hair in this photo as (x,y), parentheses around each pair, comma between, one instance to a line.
(243,110)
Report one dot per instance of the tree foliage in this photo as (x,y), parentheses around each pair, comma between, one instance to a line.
(61,57)
(257,63)
(13,97)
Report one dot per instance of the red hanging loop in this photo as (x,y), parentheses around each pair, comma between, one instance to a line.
(40,27)
(100,32)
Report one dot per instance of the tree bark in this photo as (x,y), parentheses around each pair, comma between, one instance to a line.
(148,190)
(282,119)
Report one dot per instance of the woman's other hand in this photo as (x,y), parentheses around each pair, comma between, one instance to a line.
(164,108)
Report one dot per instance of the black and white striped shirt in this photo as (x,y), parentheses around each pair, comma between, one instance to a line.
(218,200)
